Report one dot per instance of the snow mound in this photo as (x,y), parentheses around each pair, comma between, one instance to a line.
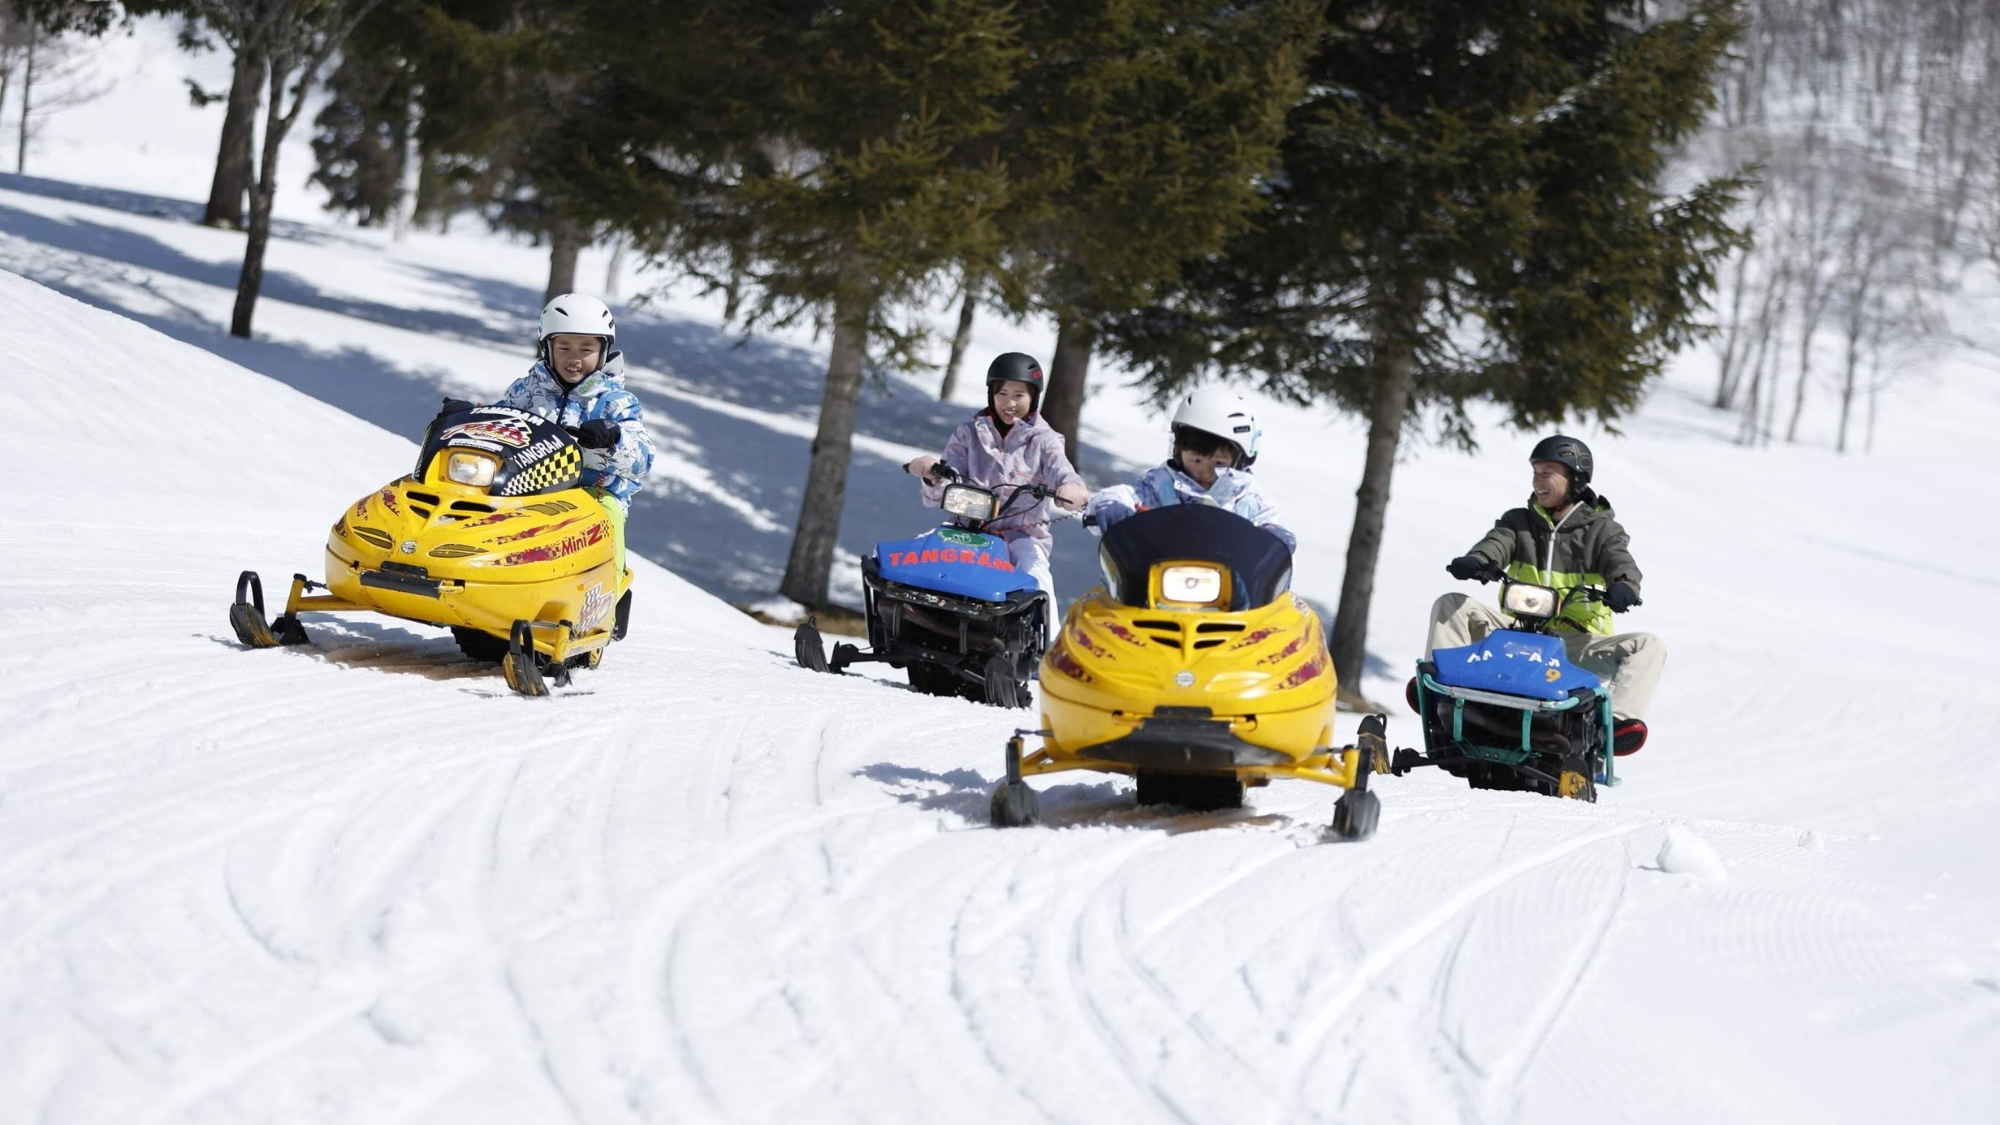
(1684,853)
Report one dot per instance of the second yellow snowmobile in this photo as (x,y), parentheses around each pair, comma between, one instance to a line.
(1196,670)
(492,536)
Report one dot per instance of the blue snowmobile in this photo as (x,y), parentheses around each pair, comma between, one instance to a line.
(1511,712)
(948,607)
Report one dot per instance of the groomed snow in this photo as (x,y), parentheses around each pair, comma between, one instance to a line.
(362,883)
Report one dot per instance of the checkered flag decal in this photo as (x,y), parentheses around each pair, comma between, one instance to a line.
(560,469)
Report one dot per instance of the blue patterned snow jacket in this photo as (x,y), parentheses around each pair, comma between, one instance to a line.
(620,470)
(1234,491)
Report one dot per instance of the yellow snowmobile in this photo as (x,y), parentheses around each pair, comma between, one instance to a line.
(1195,669)
(492,536)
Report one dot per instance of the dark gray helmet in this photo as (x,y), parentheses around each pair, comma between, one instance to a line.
(1568,452)
(1019,366)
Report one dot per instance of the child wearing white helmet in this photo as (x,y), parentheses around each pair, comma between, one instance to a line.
(578,382)
(1008,443)
(1214,443)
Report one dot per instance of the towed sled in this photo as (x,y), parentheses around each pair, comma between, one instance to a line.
(1511,712)
(492,537)
(948,607)
(1196,671)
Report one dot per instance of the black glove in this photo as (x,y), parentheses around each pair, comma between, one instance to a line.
(456,406)
(598,433)
(1621,596)
(1472,567)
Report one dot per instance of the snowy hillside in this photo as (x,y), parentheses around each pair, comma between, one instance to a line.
(360,882)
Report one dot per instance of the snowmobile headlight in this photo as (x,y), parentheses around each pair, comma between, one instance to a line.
(475,469)
(969,503)
(1194,585)
(1523,600)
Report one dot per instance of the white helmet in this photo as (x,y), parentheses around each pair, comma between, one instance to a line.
(580,315)
(1223,413)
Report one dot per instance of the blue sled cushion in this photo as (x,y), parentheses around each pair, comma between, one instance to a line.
(1524,664)
(951,560)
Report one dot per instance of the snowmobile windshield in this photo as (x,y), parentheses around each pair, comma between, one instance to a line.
(501,451)
(1258,562)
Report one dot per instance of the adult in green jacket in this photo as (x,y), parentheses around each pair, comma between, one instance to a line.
(1566,537)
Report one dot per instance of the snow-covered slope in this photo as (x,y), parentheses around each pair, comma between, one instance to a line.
(362,883)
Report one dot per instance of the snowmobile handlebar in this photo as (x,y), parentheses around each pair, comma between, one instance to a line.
(1035,490)
(948,475)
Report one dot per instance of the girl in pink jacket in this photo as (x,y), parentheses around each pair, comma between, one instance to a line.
(1008,443)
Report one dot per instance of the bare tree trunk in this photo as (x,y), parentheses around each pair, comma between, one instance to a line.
(1725,383)
(962,338)
(409,175)
(1799,389)
(1816,287)
(1069,380)
(566,241)
(234,163)
(811,561)
(1767,321)
(1395,355)
(1818,292)
(1771,398)
(27,98)
(1874,372)
(1854,324)
(1874,392)
(250,282)
(615,268)
(426,207)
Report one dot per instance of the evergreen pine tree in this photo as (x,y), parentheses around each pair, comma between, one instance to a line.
(814,161)
(1469,208)
(361,135)
(475,91)
(1137,135)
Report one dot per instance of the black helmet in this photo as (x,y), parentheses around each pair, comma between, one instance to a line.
(1019,366)
(1568,452)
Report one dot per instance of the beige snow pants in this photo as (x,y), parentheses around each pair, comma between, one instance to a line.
(1629,663)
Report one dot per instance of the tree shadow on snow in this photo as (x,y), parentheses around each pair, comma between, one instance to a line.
(152,206)
(733,417)
(117,244)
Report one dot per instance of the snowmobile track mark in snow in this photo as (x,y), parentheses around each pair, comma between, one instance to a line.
(1069,923)
(657,936)
(1308,1041)
(1504,1075)
(1133,954)
(61,917)
(1195,902)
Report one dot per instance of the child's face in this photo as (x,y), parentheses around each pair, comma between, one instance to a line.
(1202,466)
(1012,400)
(575,357)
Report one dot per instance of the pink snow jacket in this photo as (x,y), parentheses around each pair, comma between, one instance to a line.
(1031,453)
